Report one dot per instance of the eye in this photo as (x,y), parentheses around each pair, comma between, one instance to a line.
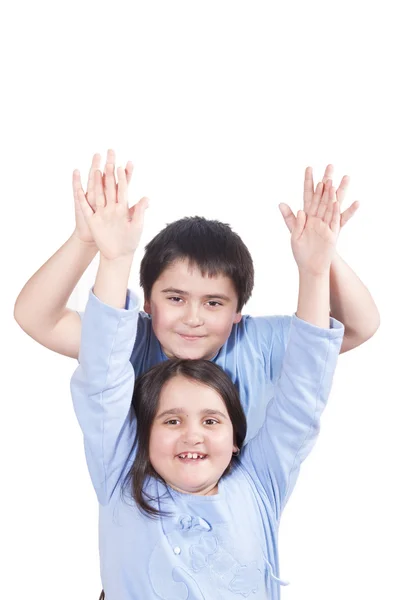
(174,299)
(172,422)
(214,303)
(211,422)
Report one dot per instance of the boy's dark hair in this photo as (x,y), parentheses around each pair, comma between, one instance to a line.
(211,246)
(144,408)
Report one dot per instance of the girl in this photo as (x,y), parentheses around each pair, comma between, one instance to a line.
(187,512)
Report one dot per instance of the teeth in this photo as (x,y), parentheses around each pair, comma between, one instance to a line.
(190,455)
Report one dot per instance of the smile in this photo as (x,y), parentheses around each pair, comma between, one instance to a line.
(191,338)
(192,456)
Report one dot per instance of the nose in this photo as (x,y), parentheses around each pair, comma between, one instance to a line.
(192,435)
(193,316)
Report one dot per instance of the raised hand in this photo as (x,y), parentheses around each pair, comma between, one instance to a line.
(114,227)
(345,216)
(82,230)
(315,234)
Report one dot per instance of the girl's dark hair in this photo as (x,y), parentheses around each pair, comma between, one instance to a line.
(212,246)
(144,407)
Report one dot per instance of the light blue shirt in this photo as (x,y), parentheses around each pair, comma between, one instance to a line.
(221,547)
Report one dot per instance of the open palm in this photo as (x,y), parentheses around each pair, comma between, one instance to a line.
(115,228)
(82,229)
(308,195)
(315,234)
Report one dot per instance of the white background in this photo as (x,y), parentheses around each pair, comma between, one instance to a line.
(221,106)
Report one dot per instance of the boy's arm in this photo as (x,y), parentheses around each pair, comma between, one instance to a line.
(40,308)
(352,304)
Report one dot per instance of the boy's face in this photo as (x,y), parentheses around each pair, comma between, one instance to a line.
(192,315)
(191,439)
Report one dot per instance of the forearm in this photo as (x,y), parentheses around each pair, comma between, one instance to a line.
(112,280)
(313,302)
(44,297)
(351,303)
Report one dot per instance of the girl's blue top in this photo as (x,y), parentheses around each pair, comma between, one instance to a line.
(208,547)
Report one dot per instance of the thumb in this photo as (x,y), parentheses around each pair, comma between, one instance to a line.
(288,216)
(299,225)
(137,211)
(347,214)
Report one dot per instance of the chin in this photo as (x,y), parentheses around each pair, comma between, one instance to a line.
(196,488)
(192,354)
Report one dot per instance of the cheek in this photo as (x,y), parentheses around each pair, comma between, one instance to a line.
(161,443)
(222,442)
(163,318)
(221,326)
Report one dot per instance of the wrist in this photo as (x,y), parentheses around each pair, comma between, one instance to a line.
(336,259)
(311,275)
(117,262)
(89,245)
(313,301)
(112,280)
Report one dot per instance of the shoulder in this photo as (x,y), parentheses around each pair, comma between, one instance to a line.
(144,331)
(146,351)
(264,328)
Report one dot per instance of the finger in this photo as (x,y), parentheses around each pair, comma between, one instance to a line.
(99,198)
(110,189)
(76,185)
(308,189)
(136,212)
(347,214)
(129,171)
(122,187)
(288,216)
(90,193)
(324,199)
(329,208)
(83,203)
(316,199)
(341,191)
(128,174)
(328,173)
(335,221)
(300,224)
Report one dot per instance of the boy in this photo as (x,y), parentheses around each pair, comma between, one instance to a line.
(193,315)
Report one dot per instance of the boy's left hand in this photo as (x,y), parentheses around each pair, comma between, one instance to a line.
(345,216)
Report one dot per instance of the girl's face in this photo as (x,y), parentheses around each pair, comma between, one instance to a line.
(191,439)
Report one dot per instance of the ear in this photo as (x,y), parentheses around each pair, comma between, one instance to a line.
(237,318)
(147,307)
(235,450)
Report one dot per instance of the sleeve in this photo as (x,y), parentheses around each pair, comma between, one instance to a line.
(102,388)
(272,334)
(292,419)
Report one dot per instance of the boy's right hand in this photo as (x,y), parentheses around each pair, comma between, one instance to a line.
(113,226)
(82,230)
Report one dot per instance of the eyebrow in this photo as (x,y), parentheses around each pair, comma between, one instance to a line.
(183,293)
(179,411)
